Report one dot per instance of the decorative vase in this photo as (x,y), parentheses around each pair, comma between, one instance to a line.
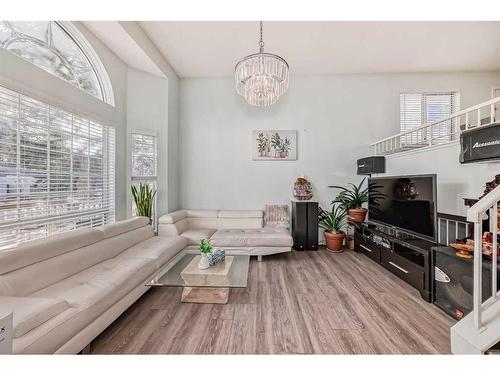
(334,241)
(357,215)
(204,262)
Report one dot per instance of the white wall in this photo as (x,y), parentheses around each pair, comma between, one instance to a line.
(172,144)
(454,180)
(337,117)
(147,111)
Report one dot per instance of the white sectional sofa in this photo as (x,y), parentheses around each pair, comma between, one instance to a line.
(66,289)
(237,231)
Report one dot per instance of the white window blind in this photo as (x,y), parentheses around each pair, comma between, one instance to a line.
(56,170)
(144,164)
(417,109)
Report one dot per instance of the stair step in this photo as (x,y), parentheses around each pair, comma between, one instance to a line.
(465,339)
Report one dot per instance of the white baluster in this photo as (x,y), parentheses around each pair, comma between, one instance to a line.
(494,255)
(479,117)
(477,288)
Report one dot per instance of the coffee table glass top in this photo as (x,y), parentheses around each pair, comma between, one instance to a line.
(232,273)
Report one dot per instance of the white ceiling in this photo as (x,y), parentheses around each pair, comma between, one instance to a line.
(212,48)
(122,44)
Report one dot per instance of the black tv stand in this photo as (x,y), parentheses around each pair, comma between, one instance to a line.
(406,256)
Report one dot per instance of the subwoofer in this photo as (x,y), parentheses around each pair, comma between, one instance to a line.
(453,281)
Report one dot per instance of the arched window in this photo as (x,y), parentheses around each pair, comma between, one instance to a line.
(60,49)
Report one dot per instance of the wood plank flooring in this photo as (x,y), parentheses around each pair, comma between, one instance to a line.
(297,303)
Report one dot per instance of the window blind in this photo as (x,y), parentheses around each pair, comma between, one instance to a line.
(56,170)
(417,109)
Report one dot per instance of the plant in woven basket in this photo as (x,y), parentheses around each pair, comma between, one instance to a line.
(144,199)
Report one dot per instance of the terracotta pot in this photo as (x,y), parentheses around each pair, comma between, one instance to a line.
(334,241)
(357,214)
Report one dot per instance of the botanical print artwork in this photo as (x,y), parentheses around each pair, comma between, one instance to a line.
(274,145)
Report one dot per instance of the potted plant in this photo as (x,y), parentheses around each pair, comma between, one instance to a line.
(332,222)
(284,148)
(276,144)
(352,199)
(144,199)
(262,142)
(205,249)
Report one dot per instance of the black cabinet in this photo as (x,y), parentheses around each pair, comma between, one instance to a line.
(408,258)
(305,225)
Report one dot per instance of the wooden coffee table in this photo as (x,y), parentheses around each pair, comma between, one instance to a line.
(211,285)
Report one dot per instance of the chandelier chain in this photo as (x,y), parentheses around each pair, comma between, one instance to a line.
(261,43)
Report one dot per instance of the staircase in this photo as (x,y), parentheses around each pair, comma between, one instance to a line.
(480,329)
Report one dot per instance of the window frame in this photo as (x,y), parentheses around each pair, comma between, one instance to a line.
(424,109)
(138,179)
(92,57)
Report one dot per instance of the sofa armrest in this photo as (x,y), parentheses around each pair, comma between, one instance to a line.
(172,217)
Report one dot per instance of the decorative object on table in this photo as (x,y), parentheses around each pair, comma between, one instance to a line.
(489,186)
(305,225)
(302,189)
(216,256)
(144,200)
(6,332)
(261,78)
(205,249)
(274,145)
(353,197)
(333,223)
(277,216)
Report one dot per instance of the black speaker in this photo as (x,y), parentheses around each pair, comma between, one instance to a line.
(480,144)
(372,164)
(453,281)
(305,225)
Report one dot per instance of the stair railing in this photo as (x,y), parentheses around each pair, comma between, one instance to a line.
(439,132)
(486,207)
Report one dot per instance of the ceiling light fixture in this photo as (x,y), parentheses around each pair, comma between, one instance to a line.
(261,78)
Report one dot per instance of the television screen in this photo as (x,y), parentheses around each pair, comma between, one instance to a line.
(404,202)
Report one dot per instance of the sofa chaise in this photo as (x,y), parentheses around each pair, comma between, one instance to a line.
(66,289)
(237,231)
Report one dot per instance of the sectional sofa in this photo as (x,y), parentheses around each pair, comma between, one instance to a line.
(237,231)
(66,289)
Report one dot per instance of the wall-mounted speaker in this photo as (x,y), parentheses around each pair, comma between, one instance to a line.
(372,164)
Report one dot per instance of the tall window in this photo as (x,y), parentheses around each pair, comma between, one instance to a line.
(417,109)
(56,170)
(144,161)
(58,48)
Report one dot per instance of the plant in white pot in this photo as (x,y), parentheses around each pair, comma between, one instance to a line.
(205,249)
(333,222)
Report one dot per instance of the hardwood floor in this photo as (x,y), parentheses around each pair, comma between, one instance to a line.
(300,302)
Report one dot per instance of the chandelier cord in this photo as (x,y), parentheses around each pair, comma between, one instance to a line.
(261,42)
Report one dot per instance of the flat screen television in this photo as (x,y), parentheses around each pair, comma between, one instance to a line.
(406,203)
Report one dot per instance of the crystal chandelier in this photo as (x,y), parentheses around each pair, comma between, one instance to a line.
(261,78)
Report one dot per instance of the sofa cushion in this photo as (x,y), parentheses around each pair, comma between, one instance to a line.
(202,213)
(31,312)
(114,229)
(45,248)
(172,217)
(107,281)
(158,249)
(195,235)
(90,293)
(240,223)
(252,237)
(241,214)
